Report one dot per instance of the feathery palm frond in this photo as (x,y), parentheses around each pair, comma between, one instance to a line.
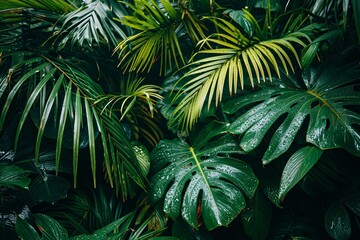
(227,65)
(60,102)
(157,38)
(59,6)
(135,98)
(93,23)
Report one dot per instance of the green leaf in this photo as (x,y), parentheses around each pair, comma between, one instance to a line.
(92,23)
(156,43)
(257,217)
(50,228)
(240,17)
(353,202)
(328,101)
(201,180)
(25,230)
(356,9)
(48,188)
(104,232)
(12,176)
(214,72)
(297,167)
(337,221)
(142,156)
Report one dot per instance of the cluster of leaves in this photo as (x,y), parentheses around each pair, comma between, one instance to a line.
(205,113)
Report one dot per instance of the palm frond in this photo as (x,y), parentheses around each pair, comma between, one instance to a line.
(157,38)
(60,101)
(135,98)
(60,6)
(234,59)
(92,23)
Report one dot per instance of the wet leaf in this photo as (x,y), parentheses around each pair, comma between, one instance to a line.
(296,168)
(337,221)
(331,95)
(257,218)
(13,176)
(204,181)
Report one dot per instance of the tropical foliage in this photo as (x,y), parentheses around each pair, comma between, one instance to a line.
(182,119)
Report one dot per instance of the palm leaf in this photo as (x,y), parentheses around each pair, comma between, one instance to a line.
(60,6)
(224,66)
(76,92)
(157,38)
(92,23)
(135,98)
(201,179)
(328,101)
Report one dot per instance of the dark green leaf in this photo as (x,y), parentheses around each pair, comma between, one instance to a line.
(297,167)
(337,221)
(239,17)
(25,230)
(353,202)
(50,229)
(48,188)
(257,217)
(12,176)
(328,101)
(205,179)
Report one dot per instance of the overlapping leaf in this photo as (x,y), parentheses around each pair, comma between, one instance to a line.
(201,180)
(92,23)
(227,65)
(330,100)
(157,38)
(60,102)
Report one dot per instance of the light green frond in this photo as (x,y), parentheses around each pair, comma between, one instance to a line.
(156,42)
(221,69)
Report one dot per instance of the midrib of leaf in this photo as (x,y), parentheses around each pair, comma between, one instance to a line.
(199,166)
(326,103)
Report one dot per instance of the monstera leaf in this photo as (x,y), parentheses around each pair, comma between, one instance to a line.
(201,180)
(329,102)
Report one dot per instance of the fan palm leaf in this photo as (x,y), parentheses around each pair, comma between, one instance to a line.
(234,59)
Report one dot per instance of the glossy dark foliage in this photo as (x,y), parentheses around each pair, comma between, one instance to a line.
(193,119)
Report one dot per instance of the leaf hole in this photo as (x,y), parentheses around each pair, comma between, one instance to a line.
(294,104)
(356,127)
(327,122)
(314,104)
(275,95)
(352,108)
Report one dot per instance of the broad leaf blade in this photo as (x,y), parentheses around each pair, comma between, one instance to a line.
(204,179)
(49,228)
(297,167)
(25,230)
(13,177)
(48,188)
(337,221)
(257,218)
(328,102)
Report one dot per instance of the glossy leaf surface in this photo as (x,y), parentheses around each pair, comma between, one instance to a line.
(337,221)
(202,179)
(13,176)
(331,95)
(257,218)
(296,168)
(49,228)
